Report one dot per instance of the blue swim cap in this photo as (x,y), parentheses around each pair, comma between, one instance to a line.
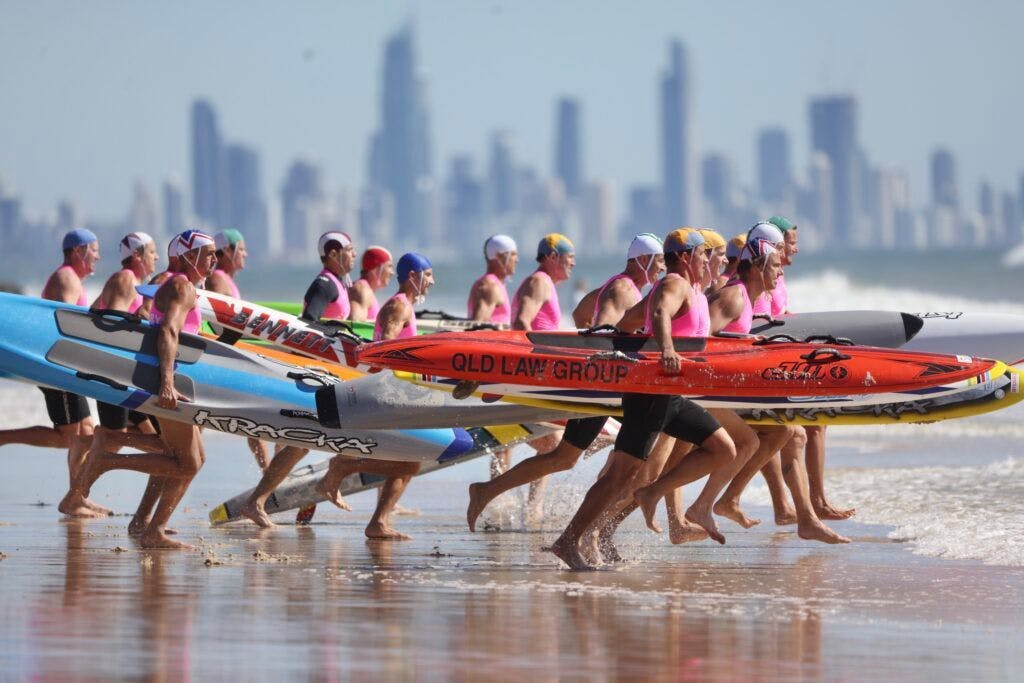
(78,237)
(411,263)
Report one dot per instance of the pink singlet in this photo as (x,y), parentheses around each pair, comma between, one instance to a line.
(743,323)
(407,331)
(231,283)
(136,303)
(193,319)
(780,297)
(549,317)
(339,309)
(83,300)
(374,308)
(502,313)
(696,322)
(608,283)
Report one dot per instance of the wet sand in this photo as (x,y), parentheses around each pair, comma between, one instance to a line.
(81,601)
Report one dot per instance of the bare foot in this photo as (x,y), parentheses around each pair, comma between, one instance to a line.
(138,525)
(256,514)
(477,502)
(648,503)
(706,521)
(812,531)
(73,505)
(786,517)
(826,511)
(405,512)
(570,554)
(380,532)
(685,532)
(102,511)
(731,510)
(332,495)
(590,549)
(606,544)
(156,539)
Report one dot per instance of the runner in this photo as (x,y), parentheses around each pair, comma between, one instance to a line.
(396,320)
(603,306)
(174,312)
(712,280)
(72,421)
(327,297)
(488,297)
(732,259)
(376,271)
(732,311)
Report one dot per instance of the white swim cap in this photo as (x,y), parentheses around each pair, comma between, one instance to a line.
(131,242)
(187,241)
(644,244)
(762,240)
(334,236)
(498,244)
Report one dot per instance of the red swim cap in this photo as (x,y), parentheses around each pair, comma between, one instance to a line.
(375,256)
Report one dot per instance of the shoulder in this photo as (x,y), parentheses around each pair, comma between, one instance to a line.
(121,278)
(218,282)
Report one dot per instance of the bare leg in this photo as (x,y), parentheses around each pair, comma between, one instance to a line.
(380,527)
(39,436)
(185,444)
(140,520)
(500,462)
(284,460)
(808,525)
(259,451)
(535,497)
(680,530)
(816,476)
(76,501)
(772,473)
(771,440)
(561,458)
(337,470)
(622,468)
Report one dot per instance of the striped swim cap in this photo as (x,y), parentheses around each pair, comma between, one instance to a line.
(554,243)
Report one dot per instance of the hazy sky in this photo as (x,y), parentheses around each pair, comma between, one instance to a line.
(94,95)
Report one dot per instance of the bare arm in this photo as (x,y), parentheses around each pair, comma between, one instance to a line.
(393,317)
(216,282)
(725,306)
(486,298)
(118,292)
(636,317)
(615,301)
(63,286)
(533,295)
(582,315)
(175,299)
(359,302)
(672,298)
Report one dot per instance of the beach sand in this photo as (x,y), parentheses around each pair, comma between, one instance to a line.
(82,601)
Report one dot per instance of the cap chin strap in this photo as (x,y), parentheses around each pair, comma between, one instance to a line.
(419,297)
(504,259)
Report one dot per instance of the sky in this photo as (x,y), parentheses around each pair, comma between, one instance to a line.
(96,95)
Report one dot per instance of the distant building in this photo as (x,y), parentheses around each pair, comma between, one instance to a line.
(568,161)
(819,204)
(244,208)
(463,203)
(717,183)
(207,165)
(943,180)
(834,134)
(599,224)
(400,158)
(774,167)
(302,209)
(69,216)
(645,211)
(502,180)
(676,161)
(10,220)
(142,214)
(174,209)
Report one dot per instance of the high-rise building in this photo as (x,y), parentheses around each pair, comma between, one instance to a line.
(943,180)
(10,220)
(834,133)
(302,209)
(645,211)
(1011,219)
(676,163)
(820,202)
(717,180)
(502,177)
(244,208)
(400,157)
(69,216)
(464,202)
(142,214)
(174,208)
(207,165)
(568,153)
(599,224)
(774,167)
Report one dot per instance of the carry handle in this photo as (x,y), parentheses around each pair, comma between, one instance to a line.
(322,379)
(111,313)
(92,377)
(772,322)
(824,355)
(777,339)
(600,329)
(482,326)
(829,339)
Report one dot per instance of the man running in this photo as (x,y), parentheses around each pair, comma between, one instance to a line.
(603,306)
(72,421)
(376,270)
(396,320)
(175,312)
(327,296)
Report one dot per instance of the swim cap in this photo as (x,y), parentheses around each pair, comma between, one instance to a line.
(761,241)
(712,239)
(644,244)
(341,238)
(131,243)
(735,246)
(683,239)
(227,238)
(411,263)
(188,241)
(375,256)
(554,243)
(78,237)
(498,244)
(782,223)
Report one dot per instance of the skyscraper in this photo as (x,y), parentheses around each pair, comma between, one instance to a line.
(400,160)
(834,133)
(568,164)
(302,208)
(464,201)
(774,168)
(174,208)
(207,165)
(502,178)
(944,189)
(676,173)
(244,208)
(717,186)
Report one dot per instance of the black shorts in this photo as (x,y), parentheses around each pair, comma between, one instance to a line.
(644,416)
(64,408)
(582,431)
(116,417)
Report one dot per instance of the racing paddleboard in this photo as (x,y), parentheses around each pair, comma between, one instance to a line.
(426,321)
(632,363)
